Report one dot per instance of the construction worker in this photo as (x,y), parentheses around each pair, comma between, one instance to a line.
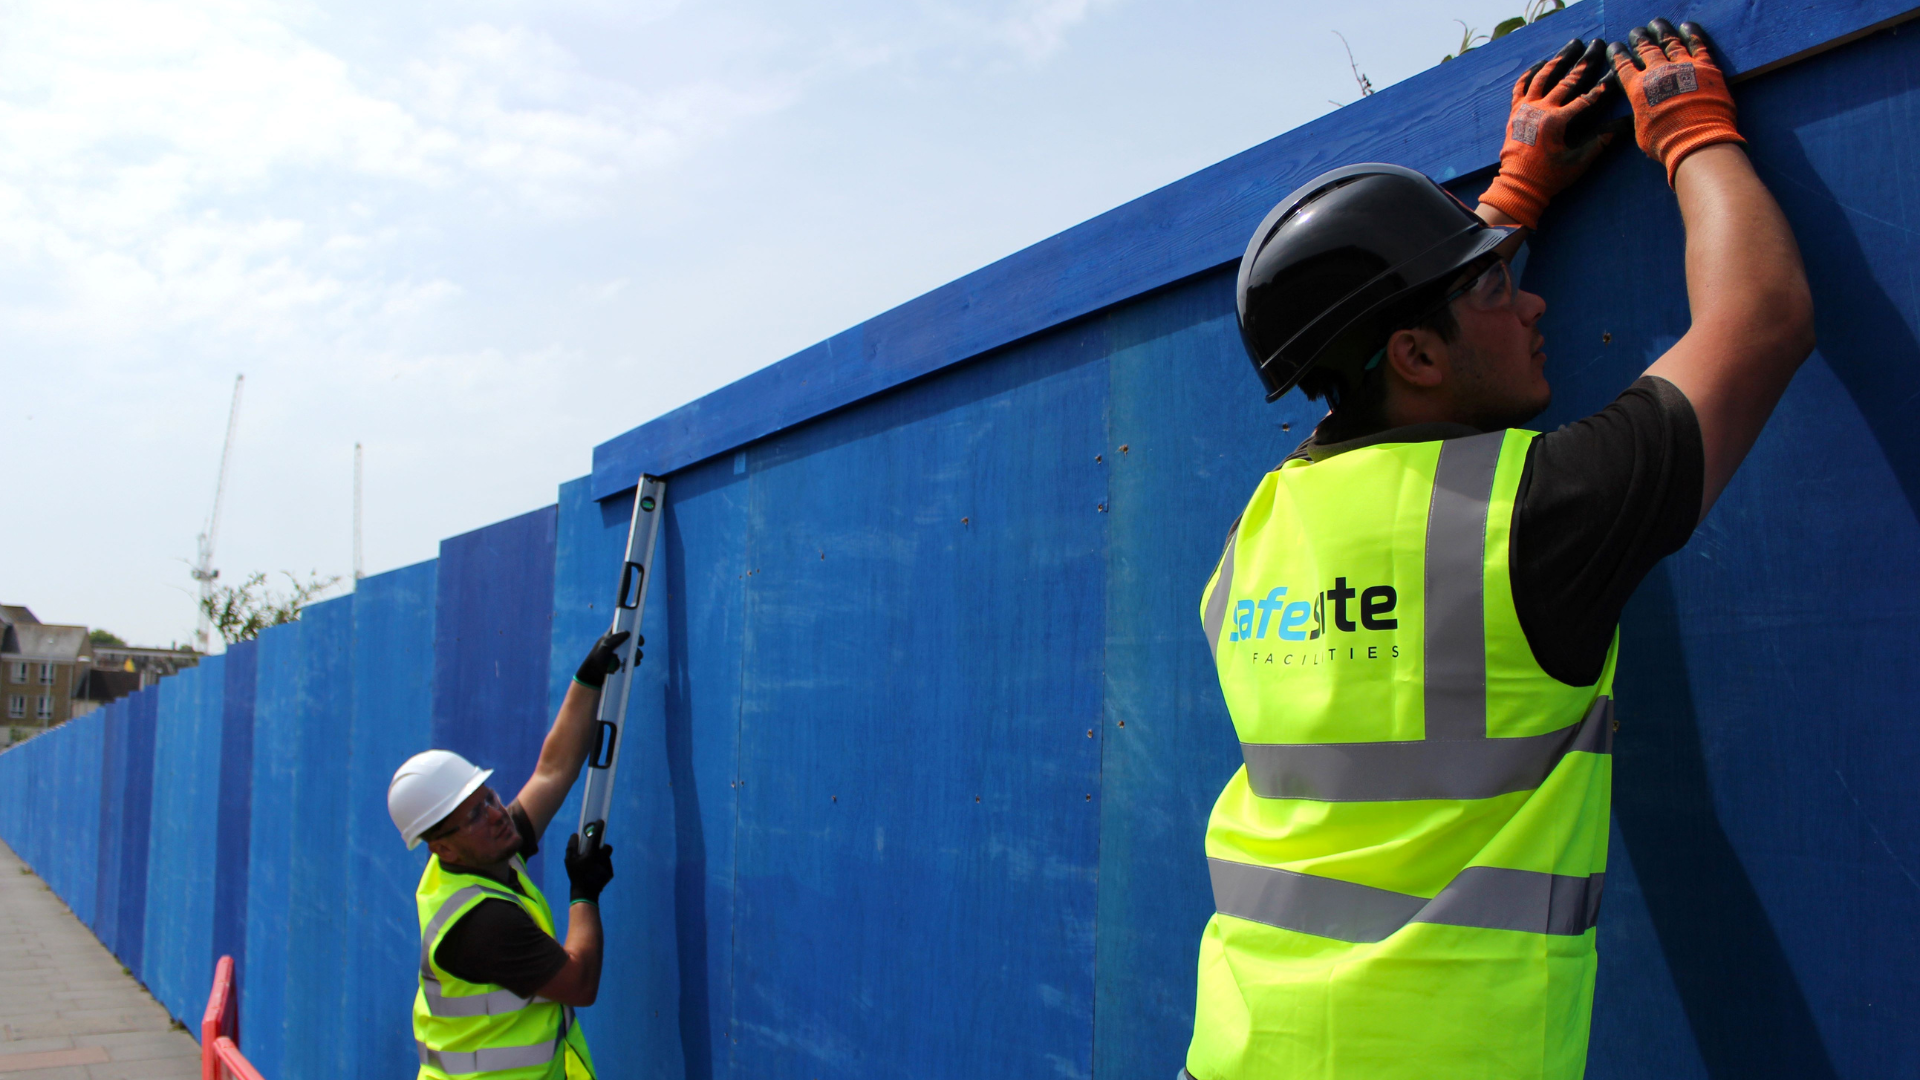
(1414,619)
(497,990)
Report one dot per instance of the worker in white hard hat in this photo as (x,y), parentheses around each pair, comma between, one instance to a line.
(497,986)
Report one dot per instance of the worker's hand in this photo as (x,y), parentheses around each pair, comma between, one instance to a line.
(1680,98)
(1536,162)
(602,660)
(587,874)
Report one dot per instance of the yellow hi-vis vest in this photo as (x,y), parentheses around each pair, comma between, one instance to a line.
(465,1029)
(1407,868)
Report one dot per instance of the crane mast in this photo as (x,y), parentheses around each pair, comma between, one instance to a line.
(203,570)
(359,568)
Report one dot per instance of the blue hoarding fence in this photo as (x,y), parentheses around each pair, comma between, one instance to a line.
(918,764)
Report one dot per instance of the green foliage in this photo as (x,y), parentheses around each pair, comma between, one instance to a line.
(240,612)
(1536,10)
(104,637)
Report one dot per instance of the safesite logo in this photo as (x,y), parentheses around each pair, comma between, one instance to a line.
(1306,620)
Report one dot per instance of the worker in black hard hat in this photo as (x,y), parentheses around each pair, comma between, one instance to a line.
(1414,617)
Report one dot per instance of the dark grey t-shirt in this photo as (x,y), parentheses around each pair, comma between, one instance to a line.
(496,941)
(1601,501)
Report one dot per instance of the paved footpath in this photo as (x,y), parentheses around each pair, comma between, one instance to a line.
(68,1010)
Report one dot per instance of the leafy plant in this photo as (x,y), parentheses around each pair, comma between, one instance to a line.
(240,612)
(104,637)
(1469,37)
(1535,11)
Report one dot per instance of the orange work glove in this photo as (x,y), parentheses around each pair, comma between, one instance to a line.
(1535,161)
(1680,99)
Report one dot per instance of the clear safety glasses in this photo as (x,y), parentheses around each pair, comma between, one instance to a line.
(488,802)
(1491,289)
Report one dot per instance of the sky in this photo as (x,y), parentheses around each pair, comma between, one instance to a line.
(481,237)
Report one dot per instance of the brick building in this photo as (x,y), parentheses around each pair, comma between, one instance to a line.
(51,673)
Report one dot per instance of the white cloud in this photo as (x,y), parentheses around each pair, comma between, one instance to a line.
(398,247)
(202,165)
(1038,27)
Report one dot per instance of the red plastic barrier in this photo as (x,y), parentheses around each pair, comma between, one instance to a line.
(220,1057)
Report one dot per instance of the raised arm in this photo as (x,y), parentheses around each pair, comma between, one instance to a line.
(1746,288)
(570,738)
(578,983)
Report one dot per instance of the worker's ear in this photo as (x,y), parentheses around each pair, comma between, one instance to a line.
(1417,356)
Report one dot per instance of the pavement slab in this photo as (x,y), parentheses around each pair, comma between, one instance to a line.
(68,1009)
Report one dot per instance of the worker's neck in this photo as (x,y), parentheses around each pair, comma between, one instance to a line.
(498,871)
(1406,406)
(1397,411)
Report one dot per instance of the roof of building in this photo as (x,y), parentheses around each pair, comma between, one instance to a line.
(101,685)
(17,613)
(44,641)
(119,652)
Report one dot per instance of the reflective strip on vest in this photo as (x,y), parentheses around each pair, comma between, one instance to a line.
(1488,897)
(1426,769)
(1456,632)
(1456,760)
(490,1059)
(1216,613)
(438,1003)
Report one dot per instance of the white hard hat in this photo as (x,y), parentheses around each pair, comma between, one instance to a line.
(427,788)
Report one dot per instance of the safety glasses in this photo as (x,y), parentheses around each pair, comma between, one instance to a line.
(1492,289)
(488,802)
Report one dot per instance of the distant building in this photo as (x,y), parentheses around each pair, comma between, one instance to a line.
(39,664)
(51,673)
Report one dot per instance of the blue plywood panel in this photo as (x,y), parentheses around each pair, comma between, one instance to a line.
(392,681)
(135,831)
(14,818)
(79,825)
(492,623)
(919,761)
(316,924)
(666,993)
(171,832)
(235,805)
(703,556)
(113,767)
(1188,438)
(281,672)
(59,812)
(180,871)
(634,1026)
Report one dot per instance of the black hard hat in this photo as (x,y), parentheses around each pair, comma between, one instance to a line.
(1338,261)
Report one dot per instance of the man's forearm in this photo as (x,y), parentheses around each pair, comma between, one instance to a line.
(568,743)
(578,982)
(570,739)
(585,945)
(1752,311)
(1743,267)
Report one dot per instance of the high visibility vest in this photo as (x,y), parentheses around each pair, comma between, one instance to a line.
(464,1029)
(1407,867)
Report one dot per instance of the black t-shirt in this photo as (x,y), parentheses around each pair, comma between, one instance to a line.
(496,941)
(1600,502)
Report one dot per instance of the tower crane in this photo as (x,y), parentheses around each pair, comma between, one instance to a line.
(203,570)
